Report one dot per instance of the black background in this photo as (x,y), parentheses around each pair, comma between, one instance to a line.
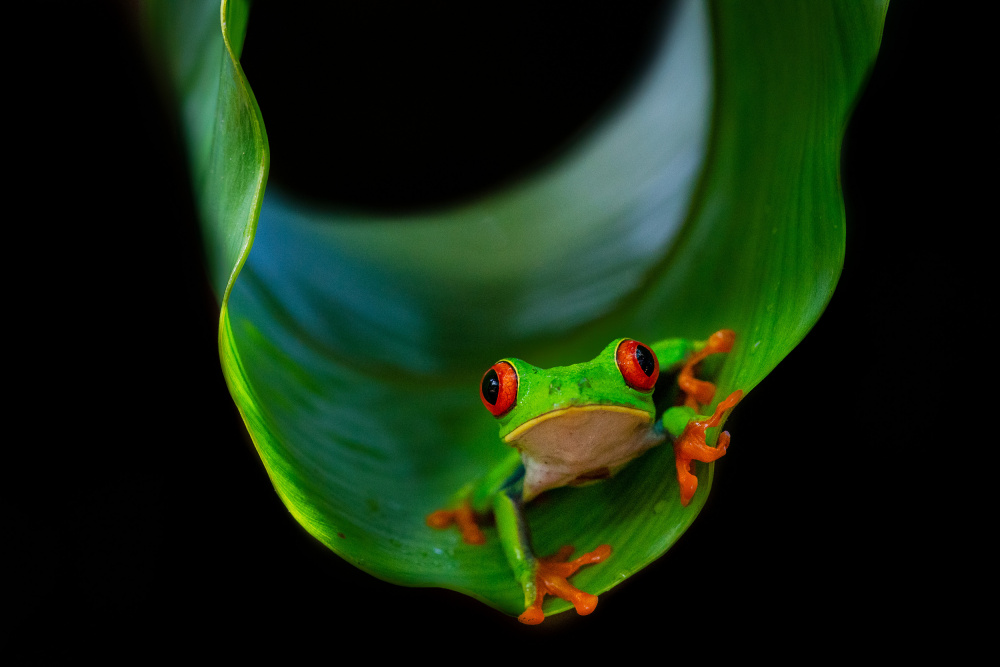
(138,509)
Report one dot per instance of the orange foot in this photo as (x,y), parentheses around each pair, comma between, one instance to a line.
(550,579)
(464,518)
(691,446)
(700,392)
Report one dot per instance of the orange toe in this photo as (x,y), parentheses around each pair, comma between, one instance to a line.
(700,392)
(551,579)
(464,518)
(691,446)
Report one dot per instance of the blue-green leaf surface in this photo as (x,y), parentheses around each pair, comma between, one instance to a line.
(353,344)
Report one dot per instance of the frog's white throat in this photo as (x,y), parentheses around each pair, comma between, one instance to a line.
(580,445)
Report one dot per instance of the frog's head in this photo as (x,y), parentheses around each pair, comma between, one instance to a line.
(587,416)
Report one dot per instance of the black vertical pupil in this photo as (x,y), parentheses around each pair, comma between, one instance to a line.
(491,386)
(644,357)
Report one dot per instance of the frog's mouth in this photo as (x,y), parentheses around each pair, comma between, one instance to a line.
(580,444)
(639,415)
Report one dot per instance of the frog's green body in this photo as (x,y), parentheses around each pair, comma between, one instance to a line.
(573,425)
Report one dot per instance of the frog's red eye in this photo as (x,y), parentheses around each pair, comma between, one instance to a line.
(499,388)
(637,364)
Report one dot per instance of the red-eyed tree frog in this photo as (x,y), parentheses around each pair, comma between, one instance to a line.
(579,424)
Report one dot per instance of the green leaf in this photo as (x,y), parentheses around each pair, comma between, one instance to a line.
(353,344)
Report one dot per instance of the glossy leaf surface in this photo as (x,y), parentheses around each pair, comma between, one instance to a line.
(353,344)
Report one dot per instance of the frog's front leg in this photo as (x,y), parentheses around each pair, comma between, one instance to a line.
(476,500)
(688,431)
(686,426)
(463,517)
(539,577)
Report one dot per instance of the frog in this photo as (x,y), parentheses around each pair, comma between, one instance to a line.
(576,425)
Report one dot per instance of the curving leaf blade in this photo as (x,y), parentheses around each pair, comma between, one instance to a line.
(353,350)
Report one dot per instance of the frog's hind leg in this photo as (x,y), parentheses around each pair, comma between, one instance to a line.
(687,427)
(673,352)
(700,392)
(539,577)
